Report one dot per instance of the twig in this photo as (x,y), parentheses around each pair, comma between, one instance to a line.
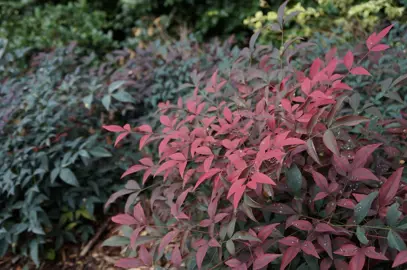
(94,239)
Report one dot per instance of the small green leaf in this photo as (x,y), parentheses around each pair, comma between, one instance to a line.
(54,174)
(68,177)
(230,246)
(99,151)
(116,241)
(395,241)
(363,207)
(115,85)
(294,179)
(361,235)
(245,236)
(50,255)
(34,252)
(106,100)
(88,101)
(393,214)
(123,96)
(231,227)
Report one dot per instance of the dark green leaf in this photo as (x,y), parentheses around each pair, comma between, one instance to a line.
(230,246)
(361,235)
(395,241)
(123,96)
(363,207)
(99,151)
(393,214)
(68,177)
(34,252)
(294,179)
(116,241)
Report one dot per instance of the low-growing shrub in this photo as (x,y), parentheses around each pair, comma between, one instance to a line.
(55,175)
(261,167)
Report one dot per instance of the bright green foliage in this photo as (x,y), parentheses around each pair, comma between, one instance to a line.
(354,17)
(48,26)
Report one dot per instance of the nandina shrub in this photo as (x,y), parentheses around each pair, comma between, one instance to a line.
(257,169)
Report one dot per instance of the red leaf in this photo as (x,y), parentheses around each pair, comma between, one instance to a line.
(134,236)
(315,67)
(325,264)
(306,86)
(178,157)
(347,250)
(323,227)
(228,144)
(166,240)
(213,243)
(371,253)
(238,194)
(383,33)
(129,263)
(147,162)
(380,47)
(348,60)
(200,255)
(349,120)
(133,169)
(165,166)
(400,259)
(227,113)
(264,260)
(320,180)
(325,242)
(308,248)
(363,154)
(292,141)
(262,178)
(359,71)
(220,217)
(266,231)
(114,128)
(346,203)
(181,198)
(330,142)
(320,196)
(204,150)
(205,223)
(362,174)
(181,168)
(288,256)
(138,213)
(303,225)
(165,120)
(145,256)
(176,257)
(124,219)
(208,163)
(233,263)
(205,176)
(289,241)
(341,164)
(143,141)
(389,189)
(145,128)
(120,137)
(358,261)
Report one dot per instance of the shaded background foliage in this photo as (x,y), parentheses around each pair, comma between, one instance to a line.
(57,166)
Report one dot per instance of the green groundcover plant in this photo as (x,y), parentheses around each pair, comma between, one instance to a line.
(261,168)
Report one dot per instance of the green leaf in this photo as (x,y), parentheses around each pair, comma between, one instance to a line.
(115,85)
(393,214)
(116,241)
(123,96)
(294,179)
(50,255)
(231,227)
(68,177)
(34,252)
(361,235)
(245,236)
(395,241)
(3,247)
(363,207)
(230,246)
(88,101)
(54,174)
(106,100)
(99,151)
